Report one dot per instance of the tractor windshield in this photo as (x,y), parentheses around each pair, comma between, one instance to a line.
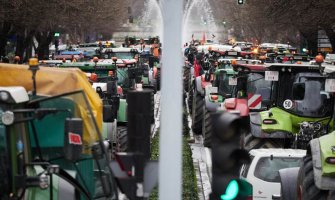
(258,85)
(119,55)
(47,137)
(304,94)
(222,80)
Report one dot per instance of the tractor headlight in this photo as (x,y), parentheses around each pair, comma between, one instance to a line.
(4,96)
(7,118)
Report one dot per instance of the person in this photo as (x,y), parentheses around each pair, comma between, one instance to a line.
(17,59)
(156,50)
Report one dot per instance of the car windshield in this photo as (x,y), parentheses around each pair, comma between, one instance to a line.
(267,169)
(48,138)
(304,94)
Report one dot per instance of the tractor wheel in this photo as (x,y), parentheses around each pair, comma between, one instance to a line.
(307,189)
(152,108)
(251,142)
(158,80)
(187,73)
(121,139)
(190,100)
(197,113)
(207,127)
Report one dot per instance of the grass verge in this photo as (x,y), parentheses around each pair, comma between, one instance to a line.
(189,178)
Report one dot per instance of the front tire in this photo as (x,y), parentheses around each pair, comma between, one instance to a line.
(158,80)
(197,113)
(207,127)
(251,142)
(307,189)
(121,139)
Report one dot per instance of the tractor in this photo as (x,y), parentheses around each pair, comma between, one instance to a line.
(51,146)
(250,91)
(298,99)
(215,96)
(104,74)
(315,177)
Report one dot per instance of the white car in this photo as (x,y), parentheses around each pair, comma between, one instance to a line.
(263,171)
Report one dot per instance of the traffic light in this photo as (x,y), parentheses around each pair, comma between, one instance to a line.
(240,2)
(227,158)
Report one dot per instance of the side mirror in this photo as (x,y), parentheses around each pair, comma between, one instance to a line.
(298,91)
(73,133)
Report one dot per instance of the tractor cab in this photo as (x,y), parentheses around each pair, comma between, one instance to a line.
(298,96)
(251,91)
(51,144)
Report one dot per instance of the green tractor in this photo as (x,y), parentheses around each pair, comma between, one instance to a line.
(126,74)
(51,146)
(215,96)
(314,179)
(297,96)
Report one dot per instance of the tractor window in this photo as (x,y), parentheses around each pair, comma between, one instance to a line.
(223,84)
(119,55)
(258,85)
(304,94)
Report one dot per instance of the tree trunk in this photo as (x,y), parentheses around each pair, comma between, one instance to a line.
(4,37)
(44,39)
(20,47)
(311,37)
(331,35)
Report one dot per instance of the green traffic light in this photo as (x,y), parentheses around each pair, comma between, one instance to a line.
(231,191)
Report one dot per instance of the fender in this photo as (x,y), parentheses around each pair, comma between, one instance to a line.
(211,106)
(240,105)
(122,112)
(198,86)
(197,69)
(256,122)
(319,148)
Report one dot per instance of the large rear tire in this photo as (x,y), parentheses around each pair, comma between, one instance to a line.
(288,183)
(190,100)
(152,108)
(121,139)
(251,142)
(307,189)
(158,80)
(187,75)
(197,113)
(206,127)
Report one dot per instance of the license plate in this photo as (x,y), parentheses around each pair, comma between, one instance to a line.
(271,75)
(213,90)
(232,81)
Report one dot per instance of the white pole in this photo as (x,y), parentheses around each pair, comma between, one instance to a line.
(170,156)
